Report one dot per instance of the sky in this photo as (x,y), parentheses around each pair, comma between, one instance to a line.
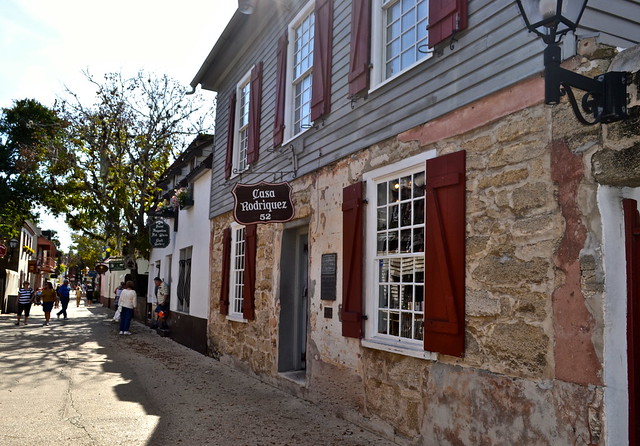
(46,45)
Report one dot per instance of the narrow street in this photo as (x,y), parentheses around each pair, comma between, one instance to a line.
(77,382)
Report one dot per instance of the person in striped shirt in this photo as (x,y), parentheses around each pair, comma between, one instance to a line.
(25,298)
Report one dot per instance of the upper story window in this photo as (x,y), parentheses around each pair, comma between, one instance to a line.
(388,37)
(399,36)
(304,68)
(301,33)
(242,125)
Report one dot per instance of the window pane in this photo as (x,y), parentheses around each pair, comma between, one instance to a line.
(405,211)
(383,297)
(407,269)
(394,270)
(383,271)
(405,241)
(418,212)
(418,325)
(394,187)
(383,321)
(406,322)
(382,219)
(394,296)
(418,240)
(419,298)
(393,216)
(382,194)
(394,324)
(392,242)
(405,188)
(382,243)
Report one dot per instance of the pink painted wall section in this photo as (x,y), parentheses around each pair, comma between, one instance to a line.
(523,95)
(575,356)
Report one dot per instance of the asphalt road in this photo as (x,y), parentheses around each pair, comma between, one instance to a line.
(78,382)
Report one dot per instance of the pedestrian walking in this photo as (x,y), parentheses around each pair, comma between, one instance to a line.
(118,292)
(25,299)
(49,298)
(63,294)
(128,299)
(162,299)
(78,291)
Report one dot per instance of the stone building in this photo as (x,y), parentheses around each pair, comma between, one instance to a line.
(455,271)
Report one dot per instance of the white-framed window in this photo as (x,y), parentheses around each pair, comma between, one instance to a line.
(399,37)
(241,140)
(299,72)
(395,268)
(237,265)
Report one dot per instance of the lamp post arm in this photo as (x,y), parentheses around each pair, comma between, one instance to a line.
(555,77)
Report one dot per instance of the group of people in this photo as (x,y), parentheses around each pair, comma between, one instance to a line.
(126,299)
(48,297)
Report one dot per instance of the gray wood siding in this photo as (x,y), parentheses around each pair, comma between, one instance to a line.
(492,54)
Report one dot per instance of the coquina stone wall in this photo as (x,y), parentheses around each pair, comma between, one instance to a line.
(533,366)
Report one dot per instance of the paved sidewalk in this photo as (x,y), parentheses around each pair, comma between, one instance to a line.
(78,382)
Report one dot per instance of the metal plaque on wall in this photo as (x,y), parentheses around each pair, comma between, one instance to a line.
(262,203)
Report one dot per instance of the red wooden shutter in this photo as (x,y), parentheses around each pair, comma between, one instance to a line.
(632,248)
(249,290)
(445,18)
(281,86)
(255,107)
(231,128)
(226,271)
(444,302)
(322,59)
(360,55)
(352,286)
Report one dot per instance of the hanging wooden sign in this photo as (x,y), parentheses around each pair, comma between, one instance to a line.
(262,203)
(159,234)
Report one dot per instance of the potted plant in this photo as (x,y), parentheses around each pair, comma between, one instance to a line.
(182,198)
(165,208)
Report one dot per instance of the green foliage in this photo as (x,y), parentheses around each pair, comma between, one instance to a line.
(123,143)
(34,163)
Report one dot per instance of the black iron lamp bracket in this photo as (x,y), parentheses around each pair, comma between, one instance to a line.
(606,95)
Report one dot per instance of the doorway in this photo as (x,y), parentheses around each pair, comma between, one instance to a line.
(292,351)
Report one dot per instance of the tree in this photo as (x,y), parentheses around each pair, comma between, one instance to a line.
(34,162)
(123,143)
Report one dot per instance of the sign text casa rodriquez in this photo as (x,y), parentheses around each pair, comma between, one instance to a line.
(262,203)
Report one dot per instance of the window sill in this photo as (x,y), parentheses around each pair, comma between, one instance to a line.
(240,319)
(379,83)
(395,347)
(290,139)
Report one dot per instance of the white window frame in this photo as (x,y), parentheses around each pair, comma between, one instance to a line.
(241,127)
(372,339)
(378,45)
(237,264)
(290,100)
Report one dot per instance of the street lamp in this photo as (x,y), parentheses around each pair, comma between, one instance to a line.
(606,95)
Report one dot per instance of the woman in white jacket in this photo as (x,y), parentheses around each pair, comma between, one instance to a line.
(128,299)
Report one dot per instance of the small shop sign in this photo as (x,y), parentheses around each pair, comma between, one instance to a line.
(262,203)
(159,234)
(116,265)
(101,268)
